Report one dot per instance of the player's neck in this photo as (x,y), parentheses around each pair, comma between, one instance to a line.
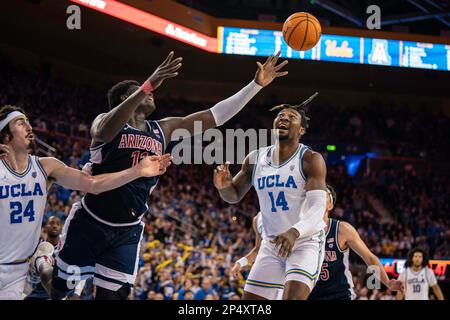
(417,269)
(17,159)
(138,124)
(285,149)
(53,240)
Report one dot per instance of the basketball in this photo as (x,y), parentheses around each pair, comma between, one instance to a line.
(302,31)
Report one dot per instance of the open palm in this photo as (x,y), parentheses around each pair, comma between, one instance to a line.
(268,71)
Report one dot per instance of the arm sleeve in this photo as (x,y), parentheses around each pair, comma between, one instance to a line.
(311,221)
(228,108)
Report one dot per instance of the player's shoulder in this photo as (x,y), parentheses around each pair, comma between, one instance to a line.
(311,156)
(347,229)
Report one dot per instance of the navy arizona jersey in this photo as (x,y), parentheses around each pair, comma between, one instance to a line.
(335,281)
(125,205)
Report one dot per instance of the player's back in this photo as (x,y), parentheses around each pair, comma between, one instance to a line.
(125,205)
(280,188)
(22,203)
(335,281)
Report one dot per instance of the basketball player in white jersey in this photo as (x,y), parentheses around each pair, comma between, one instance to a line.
(417,278)
(289,179)
(23,194)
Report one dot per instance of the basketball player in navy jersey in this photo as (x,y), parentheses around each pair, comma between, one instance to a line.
(335,281)
(103,232)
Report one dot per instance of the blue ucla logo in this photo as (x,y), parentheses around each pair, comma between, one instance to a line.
(275,181)
(20,190)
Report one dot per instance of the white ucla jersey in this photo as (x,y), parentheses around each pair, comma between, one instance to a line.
(259,226)
(22,204)
(417,284)
(281,190)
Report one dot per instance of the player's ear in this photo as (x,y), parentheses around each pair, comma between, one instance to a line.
(123,97)
(302,131)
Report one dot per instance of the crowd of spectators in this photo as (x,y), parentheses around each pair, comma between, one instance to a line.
(192,238)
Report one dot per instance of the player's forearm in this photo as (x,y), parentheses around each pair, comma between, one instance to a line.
(399,296)
(438,292)
(312,220)
(229,194)
(109,181)
(111,123)
(374,261)
(251,256)
(228,108)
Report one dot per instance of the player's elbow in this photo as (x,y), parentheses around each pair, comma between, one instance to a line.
(91,186)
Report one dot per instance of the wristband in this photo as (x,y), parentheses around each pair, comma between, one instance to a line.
(147,87)
(242,262)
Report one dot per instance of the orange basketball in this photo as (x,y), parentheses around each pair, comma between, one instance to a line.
(302,31)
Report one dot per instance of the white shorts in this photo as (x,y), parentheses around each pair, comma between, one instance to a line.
(12,281)
(270,272)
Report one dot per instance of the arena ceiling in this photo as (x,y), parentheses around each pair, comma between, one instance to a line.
(414,16)
(114,49)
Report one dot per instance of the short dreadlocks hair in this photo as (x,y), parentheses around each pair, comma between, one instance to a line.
(300,108)
(411,253)
(119,90)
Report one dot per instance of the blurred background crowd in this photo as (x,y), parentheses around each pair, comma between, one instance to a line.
(192,238)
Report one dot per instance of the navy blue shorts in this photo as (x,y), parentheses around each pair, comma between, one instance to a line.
(92,248)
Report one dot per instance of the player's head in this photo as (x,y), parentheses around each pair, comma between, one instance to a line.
(291,120)
(291,123)
(331,198)
(15,129)
(417,257)
(53,226)
(122,90)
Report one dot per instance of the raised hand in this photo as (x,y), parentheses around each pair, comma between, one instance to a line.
(166,70)
(222,176)
(154,165)
(268,71)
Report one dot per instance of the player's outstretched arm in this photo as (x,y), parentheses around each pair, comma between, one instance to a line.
(78,180)
(107,125)
(232,190)
(228,108)
(354,241)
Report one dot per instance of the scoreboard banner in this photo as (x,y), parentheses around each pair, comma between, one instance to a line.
(259,42)
(337,48)
(394,267)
